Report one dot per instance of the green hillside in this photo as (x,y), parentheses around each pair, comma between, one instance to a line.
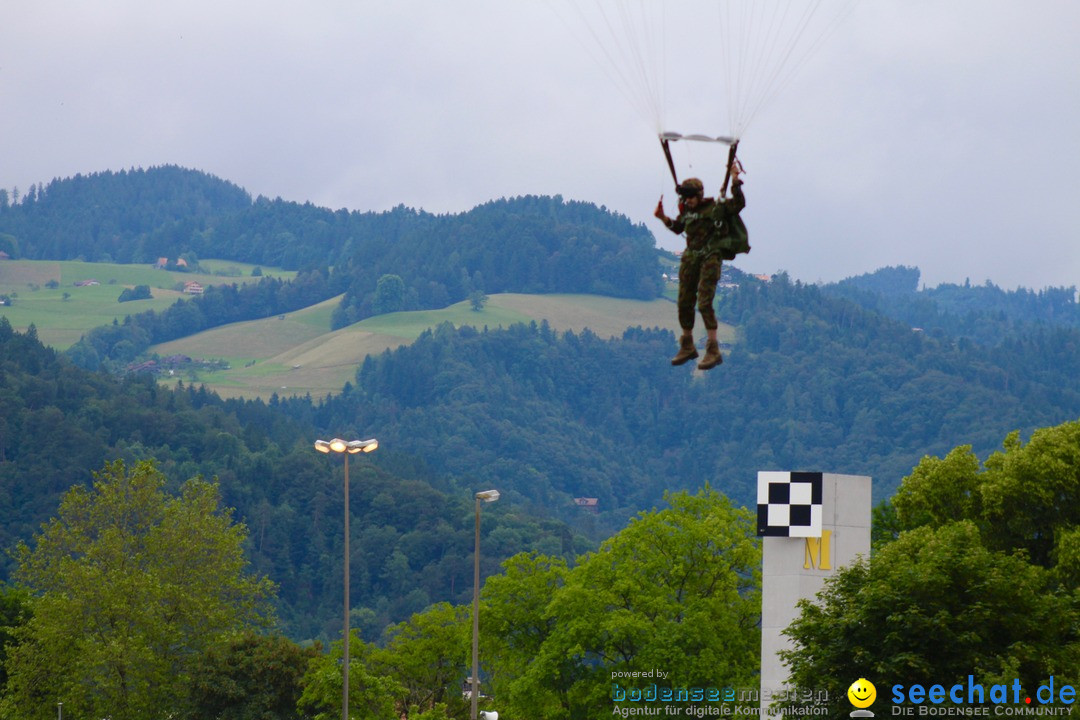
(291,353)
(296,353)
(44,293)
(527,244)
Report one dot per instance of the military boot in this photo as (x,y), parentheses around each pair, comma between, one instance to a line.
(687,351)
(712,356)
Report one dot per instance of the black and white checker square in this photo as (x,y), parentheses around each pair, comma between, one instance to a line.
(789,504)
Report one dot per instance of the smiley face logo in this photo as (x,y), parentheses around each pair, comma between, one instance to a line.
(862,693)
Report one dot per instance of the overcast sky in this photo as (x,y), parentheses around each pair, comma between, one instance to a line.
(938,133)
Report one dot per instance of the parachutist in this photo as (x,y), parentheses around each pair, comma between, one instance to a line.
(714,233)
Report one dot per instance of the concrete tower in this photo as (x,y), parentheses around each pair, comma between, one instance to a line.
(811,524)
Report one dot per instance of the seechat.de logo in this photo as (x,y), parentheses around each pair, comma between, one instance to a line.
(862,695)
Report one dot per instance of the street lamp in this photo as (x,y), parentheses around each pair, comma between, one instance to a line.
(481,497)
(347,448)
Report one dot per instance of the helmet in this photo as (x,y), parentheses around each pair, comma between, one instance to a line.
(691,187)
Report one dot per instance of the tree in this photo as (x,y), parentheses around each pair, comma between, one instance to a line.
(1027,497)
(389,295)
(978,575)
(8,243)
(940,490)
(427,656)
(937,605)
(130,586)
(477,300)
(139,292)
(515,624)
(14,613)
(677,589)
(249,677)
(370,695)
(1031,493)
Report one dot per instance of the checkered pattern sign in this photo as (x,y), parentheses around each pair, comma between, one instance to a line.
(789,504)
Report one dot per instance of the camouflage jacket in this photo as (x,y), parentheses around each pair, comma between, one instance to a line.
(714,227)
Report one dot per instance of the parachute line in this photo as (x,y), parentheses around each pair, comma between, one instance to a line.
(789,51)
(756,47)
(623,39)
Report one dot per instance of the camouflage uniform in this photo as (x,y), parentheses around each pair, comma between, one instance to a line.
(710,229)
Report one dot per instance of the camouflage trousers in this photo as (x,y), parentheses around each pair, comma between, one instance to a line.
(698,276)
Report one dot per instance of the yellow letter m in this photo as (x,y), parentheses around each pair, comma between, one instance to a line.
(819,552)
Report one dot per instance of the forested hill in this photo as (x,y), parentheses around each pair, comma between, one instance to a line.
(983,313)
(129,216)
(815,383)
(412,532)
(525,244)
(860,377)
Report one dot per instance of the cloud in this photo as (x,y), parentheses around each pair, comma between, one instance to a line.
(935,134)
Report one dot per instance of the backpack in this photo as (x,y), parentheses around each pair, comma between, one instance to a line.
(739,237)
(735,240)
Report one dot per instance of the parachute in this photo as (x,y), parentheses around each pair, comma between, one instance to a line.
(731,57)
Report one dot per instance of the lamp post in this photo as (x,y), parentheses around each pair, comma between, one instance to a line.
(481,497)
(346,448)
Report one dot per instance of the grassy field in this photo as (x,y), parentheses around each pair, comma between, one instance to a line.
(298,354)
(44,293)
(292,354)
